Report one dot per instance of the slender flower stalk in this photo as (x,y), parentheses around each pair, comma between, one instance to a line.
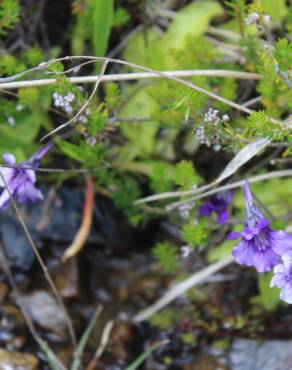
(260,246)
(20,181)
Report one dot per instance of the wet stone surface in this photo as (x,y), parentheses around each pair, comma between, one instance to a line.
(46,223)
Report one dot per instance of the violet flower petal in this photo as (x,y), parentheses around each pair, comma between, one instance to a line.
(4,199)
(243,253)
(286,292)
(223,217)
(206,209)
(265,260)
(281,241)
(233,235)
(9,158)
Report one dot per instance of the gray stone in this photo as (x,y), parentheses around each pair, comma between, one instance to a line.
(246,354)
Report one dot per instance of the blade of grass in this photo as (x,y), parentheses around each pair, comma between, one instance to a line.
(76,364)
(144,355)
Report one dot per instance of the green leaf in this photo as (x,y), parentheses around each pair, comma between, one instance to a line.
(167,256)
(277,9)
(83,341)
(145,47)
(195,235)
(143,357)
(192,19)
(102,23)
(221,251)
(269,296)
(141,135)
(72,150)
(185,175)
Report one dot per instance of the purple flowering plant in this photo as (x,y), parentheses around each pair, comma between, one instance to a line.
(218,204)
(264,248)
(19,180)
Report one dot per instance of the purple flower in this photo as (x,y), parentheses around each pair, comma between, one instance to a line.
(283,277)
(20,180)
(260,246)
(219,204)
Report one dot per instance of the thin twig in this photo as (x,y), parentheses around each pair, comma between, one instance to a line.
(58,170)
(233,185)
(41,263)
(176,194)
(131,76)
(133,65)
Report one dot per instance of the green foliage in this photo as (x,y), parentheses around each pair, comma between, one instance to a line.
(283,54)
(167,256)
(276,9)
(161,177)
(34,56)
(164,319)
(195,234)
(261,125)
(113,95)
(273,86)
(238,10)
(93,24)
(91,156)
(185,175)
(125,193)
(121,17)
(10,65)
(268,296)
(9,15)
(96,122)
(102,13)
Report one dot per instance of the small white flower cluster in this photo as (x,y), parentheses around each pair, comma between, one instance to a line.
(64,102)
(255,17)
(83,117)
(208,132)
(212,117)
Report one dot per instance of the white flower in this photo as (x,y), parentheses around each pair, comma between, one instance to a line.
(252,18)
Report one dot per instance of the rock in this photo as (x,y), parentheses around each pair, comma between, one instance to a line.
(16,246)
(246,354)
(17,361)
(66,277)
(45,311)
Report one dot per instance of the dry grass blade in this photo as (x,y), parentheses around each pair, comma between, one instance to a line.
(131,76)
(180,288)
(243,156)
(232,185)
(103,343)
